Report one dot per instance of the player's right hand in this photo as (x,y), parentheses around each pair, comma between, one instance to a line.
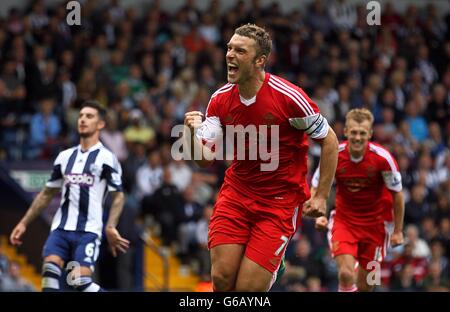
(193,119)
(315,207)
(16,234)
(321,223)
(115,241)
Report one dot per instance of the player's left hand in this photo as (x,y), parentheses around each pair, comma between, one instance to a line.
(115,241)
(397,238)
(315,207)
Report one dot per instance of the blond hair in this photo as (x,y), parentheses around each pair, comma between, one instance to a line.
(359,115)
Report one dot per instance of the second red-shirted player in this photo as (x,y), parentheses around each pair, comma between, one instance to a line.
(368,188)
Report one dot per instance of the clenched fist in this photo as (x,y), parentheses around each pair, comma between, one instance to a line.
(193,120)
(315,207)
(321,223)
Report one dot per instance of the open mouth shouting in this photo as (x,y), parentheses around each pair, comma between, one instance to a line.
(232,69)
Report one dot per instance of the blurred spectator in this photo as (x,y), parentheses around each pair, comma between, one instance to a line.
(405,280)
(303,260)
(3,263)
(429,229)
(317,17)
(13,280)
(438,256)
(149,176)
(416,208)
(138,131)
(136,158)
(419,247)
(45,128)
(343,14)
(113,138)
(181,174)
(417,123)
(164,205)
(201,237)
(187,218)
(435,281)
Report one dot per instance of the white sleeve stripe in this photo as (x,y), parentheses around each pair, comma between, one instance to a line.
(227,85)
(385,154)
(224,89)
(287,94)
(294,96)
(293,92)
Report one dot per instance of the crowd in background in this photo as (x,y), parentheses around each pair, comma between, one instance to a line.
(10,276)
(149,67)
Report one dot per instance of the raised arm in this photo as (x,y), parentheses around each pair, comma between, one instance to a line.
(39,203)
(202,155)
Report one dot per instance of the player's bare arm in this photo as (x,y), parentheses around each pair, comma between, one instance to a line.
(39,203)
(115,241)
(399,212)
(321,223)
(193,121)
(316,205)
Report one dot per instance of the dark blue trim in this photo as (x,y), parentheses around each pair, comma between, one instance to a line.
(65,205)
(84,193)
(107,175)
(56,173)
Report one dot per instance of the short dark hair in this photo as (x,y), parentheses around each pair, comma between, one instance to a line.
(95,105)
(260,35)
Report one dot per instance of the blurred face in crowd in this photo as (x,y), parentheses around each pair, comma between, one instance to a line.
(358,135)
(154,159)
(89,122)
(242,62)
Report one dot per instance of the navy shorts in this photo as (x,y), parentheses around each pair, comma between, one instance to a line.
(82,247)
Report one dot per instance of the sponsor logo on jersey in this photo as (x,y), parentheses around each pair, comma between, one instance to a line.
(82,179)
(371,171)
(356,184)
(228,119)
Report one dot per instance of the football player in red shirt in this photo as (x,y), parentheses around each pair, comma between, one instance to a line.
(262,198)
(368,184)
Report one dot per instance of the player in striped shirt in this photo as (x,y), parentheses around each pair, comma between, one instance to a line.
(84,174)
(258,208)
(368,185)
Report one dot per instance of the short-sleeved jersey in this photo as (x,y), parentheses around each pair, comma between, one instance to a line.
(277,105)
(364,186)
(85,178)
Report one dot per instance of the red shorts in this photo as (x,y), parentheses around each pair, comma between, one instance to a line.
(364,243)
(265,230)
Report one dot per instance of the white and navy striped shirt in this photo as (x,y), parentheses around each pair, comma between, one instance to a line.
(85,177)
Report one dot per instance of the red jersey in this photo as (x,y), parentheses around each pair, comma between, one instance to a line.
(363,185)
(278,105)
